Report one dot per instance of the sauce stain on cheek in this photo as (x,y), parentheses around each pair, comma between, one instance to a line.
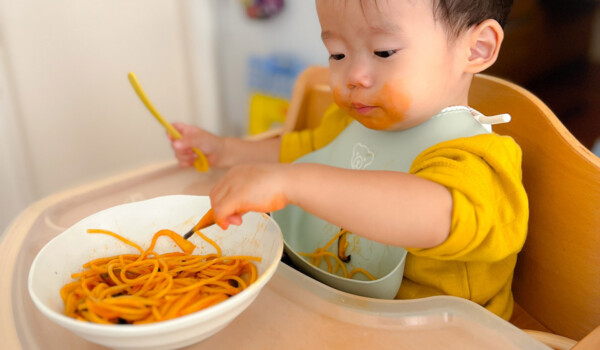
(395,102)
(391,99)
(339,99)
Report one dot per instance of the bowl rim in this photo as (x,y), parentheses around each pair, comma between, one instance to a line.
(160,326)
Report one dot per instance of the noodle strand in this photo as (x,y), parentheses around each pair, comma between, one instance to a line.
(150,287)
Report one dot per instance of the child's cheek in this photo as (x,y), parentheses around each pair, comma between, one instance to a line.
(392,100)
(338,98)
(395,102)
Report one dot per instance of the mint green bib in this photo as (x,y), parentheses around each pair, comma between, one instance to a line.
(358,147)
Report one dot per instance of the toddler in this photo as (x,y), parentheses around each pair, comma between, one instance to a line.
(400,148)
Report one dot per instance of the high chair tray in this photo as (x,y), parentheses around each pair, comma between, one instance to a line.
(292,312)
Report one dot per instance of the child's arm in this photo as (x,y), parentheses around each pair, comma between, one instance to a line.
(390,207)
(222,152)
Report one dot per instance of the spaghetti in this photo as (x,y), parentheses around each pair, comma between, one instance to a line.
(334,261)
(150,287)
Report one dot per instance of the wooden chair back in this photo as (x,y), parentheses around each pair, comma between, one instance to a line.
(310,97)
(557,279)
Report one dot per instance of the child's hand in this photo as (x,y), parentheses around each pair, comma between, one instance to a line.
(211,145)
(253,187)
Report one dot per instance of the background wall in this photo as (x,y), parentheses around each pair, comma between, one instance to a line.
(67,111)
(595,44)
(563,67)
(293,32)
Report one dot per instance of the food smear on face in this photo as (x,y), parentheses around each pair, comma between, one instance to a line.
(395,103)
(383,110)
(150,287)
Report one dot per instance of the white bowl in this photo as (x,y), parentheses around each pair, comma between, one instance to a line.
(259,235)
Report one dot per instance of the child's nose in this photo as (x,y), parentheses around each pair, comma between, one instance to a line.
(359,76)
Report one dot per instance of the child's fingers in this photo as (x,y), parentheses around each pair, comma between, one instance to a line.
(180,146)
(182,127)
(184,163)
(191,136)
(231,199)
(185,156)
(181,149)
(235,219)
(247,188)
(223,202)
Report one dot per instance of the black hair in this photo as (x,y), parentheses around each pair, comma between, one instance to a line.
(460,15)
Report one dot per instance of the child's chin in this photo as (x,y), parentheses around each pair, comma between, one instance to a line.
(375,123)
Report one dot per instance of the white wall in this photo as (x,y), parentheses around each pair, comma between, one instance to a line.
(75,117)
(201,38)
(16,190)
(295,30)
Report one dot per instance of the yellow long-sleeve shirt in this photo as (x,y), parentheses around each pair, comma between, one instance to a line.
(489,215)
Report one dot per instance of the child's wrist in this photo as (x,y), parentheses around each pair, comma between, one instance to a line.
(294,176)
(227,152)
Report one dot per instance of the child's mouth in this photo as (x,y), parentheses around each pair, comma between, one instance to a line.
(362,109)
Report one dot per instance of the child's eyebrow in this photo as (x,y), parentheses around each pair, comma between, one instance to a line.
(385,28)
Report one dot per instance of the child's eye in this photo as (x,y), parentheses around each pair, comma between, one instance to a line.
(385,54)
(337,56)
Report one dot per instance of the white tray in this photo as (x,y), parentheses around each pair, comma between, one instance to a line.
(293,311)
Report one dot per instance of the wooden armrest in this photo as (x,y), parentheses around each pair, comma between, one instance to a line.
(590,341)
(266,135)
(555,341)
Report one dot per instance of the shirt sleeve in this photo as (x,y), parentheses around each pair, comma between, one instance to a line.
(490,209)
(295,144)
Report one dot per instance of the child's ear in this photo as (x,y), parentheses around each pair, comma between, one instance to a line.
(484,44)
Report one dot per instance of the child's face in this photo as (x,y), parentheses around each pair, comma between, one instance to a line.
(392,65)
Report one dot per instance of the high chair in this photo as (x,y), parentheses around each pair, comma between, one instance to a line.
(557,278)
